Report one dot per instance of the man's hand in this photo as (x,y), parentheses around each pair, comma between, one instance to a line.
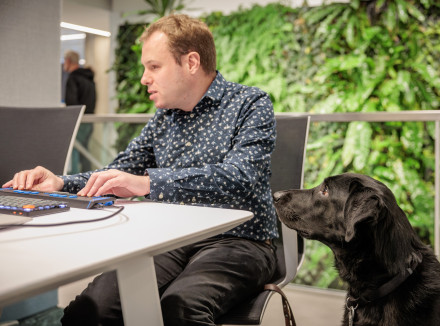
(117,183)
(38,178)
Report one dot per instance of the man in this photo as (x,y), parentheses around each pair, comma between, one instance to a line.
(80,90)
(209,144)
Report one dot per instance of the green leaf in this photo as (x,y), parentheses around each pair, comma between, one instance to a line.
(384,173)
(413,11)
(316,14)
(349,149)
(390,17)
(350,32)
(328,105)
(356,148)
(412,137)
(362,151)
(401,10)
(355,4)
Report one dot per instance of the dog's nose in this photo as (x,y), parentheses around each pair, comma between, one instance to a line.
(277,196)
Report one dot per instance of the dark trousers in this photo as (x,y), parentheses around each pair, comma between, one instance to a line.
(197,284)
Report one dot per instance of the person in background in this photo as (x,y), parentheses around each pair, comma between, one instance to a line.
(80,90)
(210,144)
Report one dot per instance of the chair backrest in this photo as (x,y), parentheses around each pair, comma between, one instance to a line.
(37,136)
(287,173)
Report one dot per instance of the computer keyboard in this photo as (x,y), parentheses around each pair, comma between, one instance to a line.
(71,200)
(29,207)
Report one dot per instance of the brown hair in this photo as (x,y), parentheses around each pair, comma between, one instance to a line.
(185,35)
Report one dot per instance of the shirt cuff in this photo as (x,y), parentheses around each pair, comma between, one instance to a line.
(73,183)
(161,183)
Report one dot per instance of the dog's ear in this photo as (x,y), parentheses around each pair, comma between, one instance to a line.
(362,204)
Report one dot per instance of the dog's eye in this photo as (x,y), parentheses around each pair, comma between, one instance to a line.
(324,191)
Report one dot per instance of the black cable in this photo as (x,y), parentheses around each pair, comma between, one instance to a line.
(5,226)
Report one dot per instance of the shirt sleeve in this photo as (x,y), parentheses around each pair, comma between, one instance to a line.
(233,177)
(135,159)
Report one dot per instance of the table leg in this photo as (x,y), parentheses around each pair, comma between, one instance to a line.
(139,293)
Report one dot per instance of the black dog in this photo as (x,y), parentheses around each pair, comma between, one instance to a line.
(393,278)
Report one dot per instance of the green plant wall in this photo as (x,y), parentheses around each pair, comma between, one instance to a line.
(362,56)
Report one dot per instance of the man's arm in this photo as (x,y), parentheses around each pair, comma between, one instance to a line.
(132,162)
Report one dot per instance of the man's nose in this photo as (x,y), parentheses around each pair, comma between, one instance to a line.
(145,80)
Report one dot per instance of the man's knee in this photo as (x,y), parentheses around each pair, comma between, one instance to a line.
(184,309)
(81,311)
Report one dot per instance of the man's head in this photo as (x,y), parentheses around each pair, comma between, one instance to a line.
(71,61)
(186,35)
(178,54)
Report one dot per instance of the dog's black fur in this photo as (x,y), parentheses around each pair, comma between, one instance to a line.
(373,242)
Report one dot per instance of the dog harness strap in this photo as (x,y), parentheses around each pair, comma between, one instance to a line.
(391,285)
(288,313)
(353,303)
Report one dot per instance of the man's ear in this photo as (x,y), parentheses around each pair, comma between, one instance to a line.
(362,204)
(193,62)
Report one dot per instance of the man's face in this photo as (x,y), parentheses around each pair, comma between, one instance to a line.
(66,64)
(167,81)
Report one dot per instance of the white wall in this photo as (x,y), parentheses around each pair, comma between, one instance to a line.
(30,73)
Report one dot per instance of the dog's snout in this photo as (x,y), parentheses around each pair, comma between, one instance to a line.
(277,196)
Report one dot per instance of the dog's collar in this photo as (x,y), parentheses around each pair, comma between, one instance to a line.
(385,289)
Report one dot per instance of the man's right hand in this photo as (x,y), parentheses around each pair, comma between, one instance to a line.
(38,178)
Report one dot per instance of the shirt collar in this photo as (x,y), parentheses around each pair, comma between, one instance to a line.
(214,94)
(216,89)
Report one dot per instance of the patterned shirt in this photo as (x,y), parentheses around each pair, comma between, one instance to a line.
(216,155)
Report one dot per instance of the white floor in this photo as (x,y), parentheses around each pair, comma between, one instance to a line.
(311,307)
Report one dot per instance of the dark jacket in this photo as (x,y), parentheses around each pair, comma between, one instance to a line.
(80,89)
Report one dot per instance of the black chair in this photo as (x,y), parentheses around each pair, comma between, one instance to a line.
(37,136)
(30,137)
(287,173)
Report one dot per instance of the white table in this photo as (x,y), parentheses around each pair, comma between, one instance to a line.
(35,260)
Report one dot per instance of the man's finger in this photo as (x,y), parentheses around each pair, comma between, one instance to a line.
(95,182)
(89,184)
(8,184)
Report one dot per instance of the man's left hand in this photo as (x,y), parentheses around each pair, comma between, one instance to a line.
(118,183)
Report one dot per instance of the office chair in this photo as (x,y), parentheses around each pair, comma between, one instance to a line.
(30,137)
(287,173)
(37,136)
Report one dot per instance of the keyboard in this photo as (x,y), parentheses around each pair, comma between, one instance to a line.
(29,207)
(71,200)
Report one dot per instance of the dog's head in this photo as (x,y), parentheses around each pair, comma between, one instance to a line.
(332,211)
